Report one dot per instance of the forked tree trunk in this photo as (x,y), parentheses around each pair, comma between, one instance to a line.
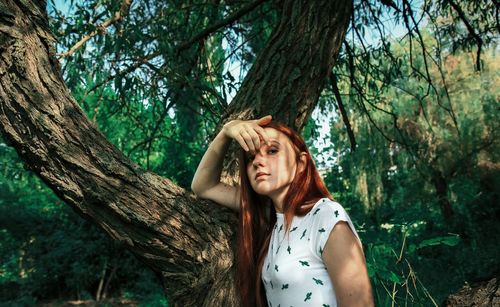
(188,242)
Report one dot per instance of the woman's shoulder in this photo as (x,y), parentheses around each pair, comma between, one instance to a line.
(326,203)
(328,210)
(321,208)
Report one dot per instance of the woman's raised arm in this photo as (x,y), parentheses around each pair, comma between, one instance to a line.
(206,181)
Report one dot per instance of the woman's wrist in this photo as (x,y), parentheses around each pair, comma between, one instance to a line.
(222,136)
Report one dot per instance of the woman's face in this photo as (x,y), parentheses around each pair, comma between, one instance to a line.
(272,169)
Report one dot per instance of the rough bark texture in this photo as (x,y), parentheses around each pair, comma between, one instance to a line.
(188,242)
(291,71)
(485,293)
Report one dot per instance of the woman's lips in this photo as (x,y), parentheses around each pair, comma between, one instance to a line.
(261,176)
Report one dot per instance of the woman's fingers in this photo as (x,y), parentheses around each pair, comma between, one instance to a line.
(255,139)
(248,133)
(241,141)
(263,134)
(248,140)
(264,120)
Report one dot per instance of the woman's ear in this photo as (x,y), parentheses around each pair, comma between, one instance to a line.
(302,161)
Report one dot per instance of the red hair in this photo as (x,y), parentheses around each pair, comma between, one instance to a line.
(254,230)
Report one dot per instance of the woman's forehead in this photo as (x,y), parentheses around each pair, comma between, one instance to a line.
(274,134)
(278,136)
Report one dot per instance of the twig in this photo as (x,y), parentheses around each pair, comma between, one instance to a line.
(117,17)
(471,31)
(203,34)
(340,105)
(391,4)
(221,23)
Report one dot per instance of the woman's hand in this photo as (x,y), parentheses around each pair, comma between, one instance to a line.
(248,132)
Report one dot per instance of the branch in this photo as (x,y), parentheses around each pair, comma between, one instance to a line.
(219,24)
(390,3)
(184,45)
(381,30)
(497,8)
(471,31)
(438,64)
(412,153)
(340,105)
(117,17)
(428,77)
(127,70)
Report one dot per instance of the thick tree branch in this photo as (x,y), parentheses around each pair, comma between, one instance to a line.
(287,91)
(183,239)
(100,27)
(189,243)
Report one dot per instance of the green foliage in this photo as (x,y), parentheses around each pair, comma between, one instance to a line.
(451,240)
(409,135)
(417,113)
(47,251)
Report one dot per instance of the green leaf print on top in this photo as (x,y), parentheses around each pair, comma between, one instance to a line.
(314,274)
(308,296)
(303,234)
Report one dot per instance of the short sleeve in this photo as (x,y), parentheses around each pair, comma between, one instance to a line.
(324,218)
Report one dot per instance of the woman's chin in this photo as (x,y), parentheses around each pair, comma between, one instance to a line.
(261,190)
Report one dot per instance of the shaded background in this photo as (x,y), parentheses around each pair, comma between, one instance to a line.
(422,185)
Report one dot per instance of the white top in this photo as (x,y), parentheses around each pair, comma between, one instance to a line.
(294,273)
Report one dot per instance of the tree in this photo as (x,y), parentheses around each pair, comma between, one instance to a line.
(187,241)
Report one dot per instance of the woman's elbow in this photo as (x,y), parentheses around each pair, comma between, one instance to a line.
(196,190)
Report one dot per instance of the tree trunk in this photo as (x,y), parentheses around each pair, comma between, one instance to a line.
(188,242)
(441,185)
(483,293)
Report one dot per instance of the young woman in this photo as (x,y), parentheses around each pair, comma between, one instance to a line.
(296,246)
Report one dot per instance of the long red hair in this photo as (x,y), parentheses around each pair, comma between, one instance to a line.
(254,230)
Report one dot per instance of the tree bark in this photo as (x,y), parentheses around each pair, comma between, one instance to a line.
(188,242)
(441,185)
(290,73)
(482,293)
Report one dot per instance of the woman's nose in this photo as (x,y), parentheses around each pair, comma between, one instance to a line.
(258,159)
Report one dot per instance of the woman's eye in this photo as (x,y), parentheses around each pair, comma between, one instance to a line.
(272,151)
